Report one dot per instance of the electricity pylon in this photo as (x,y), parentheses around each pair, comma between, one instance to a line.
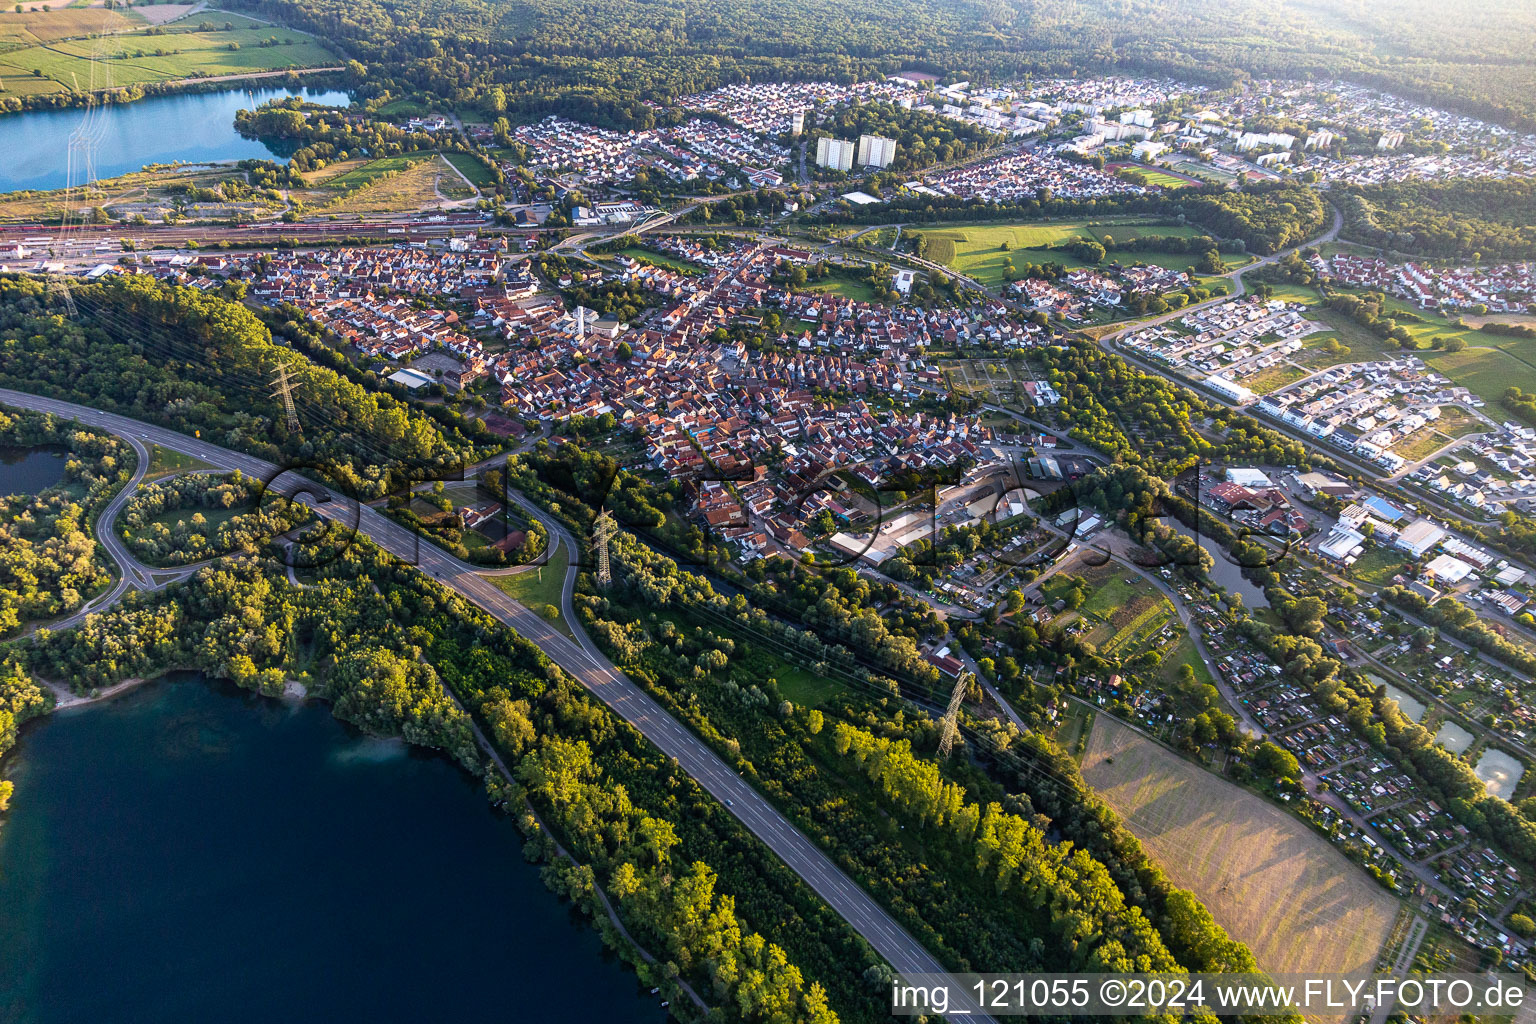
(604,529)
(283,387)
(952,715)
(80,160)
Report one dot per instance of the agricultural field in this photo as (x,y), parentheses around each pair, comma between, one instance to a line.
(392,185)
(31,28)
(1487,366)
(208,44)
(332,171)
(975,250)
(1487,371)
(358,174)
(1271,882)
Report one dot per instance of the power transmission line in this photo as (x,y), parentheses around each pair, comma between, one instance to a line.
(604,529)
(952,715)
(283,385)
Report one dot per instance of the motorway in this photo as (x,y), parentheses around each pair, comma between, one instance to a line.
(607,683)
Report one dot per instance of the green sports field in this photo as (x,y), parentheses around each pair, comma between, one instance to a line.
(975,250)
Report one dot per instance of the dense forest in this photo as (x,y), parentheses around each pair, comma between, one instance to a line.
(981,862)
(1145,420)
(1490,220)
(608,62)
(198,361)
(21,700)
(323,134)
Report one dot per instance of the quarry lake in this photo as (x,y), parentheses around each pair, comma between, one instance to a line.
(193,128)
(187,851)
(30,470)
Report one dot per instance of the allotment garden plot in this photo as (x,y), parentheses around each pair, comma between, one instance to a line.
(996,381)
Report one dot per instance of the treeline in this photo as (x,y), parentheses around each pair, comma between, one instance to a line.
(1008,851)
(1084,914)
(719,671)
(873,617)
(909,206)
(49,564)
(322,135)
(1504,330)
(1519,403)
(64,99)
(621,65)
(1264,220)
(195,538)
(1146,420)
(1097,250)
(673,906)
(21,700)
(688,881)
(1468,219)
(196,361)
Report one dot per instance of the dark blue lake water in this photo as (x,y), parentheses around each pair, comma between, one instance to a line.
(189,852)
(30,470)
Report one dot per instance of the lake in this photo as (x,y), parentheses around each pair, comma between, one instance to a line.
(188,851)
(1499,771)
(1225,571)
(1453,737)
(30,470)
(190,127)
